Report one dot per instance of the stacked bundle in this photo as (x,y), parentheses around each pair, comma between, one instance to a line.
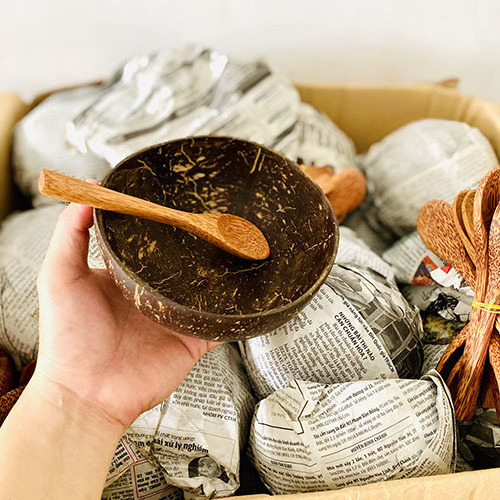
(471,364)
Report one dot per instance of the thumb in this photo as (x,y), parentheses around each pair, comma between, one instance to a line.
(66,257)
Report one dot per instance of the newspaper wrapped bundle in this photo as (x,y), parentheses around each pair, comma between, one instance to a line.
(365,232)
(196,91)
(357,327)
(426,282)
(133,477)
(196,436)
(24,238)
(354,250)
(422,161)
(432,355)
(39,142)
(313,437)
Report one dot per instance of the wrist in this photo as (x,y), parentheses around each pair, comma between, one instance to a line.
(63,404)
(56,444)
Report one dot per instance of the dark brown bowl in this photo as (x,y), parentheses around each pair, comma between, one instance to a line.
(188,284)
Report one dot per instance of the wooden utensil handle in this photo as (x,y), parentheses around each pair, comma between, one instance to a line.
(62,187)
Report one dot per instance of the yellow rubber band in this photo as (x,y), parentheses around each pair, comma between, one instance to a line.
(491,308)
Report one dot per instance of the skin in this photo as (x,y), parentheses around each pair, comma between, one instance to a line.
(100,365)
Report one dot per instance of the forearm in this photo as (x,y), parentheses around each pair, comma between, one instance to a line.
(53,445)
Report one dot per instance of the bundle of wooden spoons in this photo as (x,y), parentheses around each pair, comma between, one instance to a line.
(467,236)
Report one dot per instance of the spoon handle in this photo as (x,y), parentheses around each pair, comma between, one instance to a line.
(231,233)
(65,188)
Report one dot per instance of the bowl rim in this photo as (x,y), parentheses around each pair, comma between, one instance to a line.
(100,233)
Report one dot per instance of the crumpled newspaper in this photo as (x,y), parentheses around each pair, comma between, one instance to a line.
(311,437)
(374,239)
(132,477)
(426,281)
(24,239)
(197,435)
(412,261)
(193,90)
(424,160)
(353,250)
(395,322)
(39,143)
(357,327)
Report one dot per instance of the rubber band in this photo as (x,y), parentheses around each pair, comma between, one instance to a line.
(491,308)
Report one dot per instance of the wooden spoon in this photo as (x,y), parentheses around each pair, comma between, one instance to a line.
(494,372)
(320,175)
(451,355)
(228,232)
(460,224)
(487,388)
(436,228)
(468,215)
(346,191)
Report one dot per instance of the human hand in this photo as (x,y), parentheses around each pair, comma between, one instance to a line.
(95,343)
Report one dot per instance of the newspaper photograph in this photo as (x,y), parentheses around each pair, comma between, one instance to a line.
(196,436)
(395,322)
(438,330)
(312,437)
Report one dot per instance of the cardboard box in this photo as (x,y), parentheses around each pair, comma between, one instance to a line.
(366,113)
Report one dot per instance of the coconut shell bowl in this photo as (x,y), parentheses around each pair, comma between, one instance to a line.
(188,284)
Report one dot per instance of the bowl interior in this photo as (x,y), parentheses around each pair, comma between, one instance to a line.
(221,175)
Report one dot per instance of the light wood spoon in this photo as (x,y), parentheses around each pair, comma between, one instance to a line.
(229,232)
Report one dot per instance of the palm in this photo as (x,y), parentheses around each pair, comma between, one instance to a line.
(134,363)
